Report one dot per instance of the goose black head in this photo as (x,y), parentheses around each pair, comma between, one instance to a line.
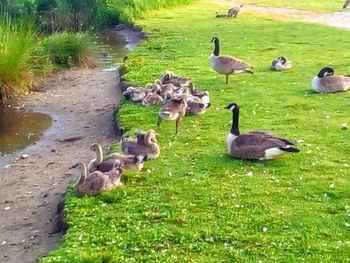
(326,71)
(215,40)
(232,106)
(282,59)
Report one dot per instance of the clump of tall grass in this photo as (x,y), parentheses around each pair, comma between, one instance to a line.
(130,9)
(69,49)
(22,59)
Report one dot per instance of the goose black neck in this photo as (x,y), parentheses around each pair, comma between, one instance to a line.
(216,48)
(235,118)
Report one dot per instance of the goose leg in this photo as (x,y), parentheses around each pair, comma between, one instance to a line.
(158,122)
(226,79)
(177,125)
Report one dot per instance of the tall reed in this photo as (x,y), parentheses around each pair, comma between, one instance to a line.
(22,59)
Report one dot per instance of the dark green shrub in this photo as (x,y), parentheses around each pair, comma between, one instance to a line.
(68,49)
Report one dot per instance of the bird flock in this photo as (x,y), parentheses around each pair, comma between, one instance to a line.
(178,97)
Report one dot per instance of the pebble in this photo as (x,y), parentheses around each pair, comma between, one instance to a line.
(7,208)
(3,243)
(24,156)
(250,173)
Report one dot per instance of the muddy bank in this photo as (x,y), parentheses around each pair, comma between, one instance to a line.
(82,105)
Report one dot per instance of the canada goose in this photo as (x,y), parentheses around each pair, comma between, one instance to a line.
(233,12)
(135,94)
(173,109)
(96,147)
(227,65)
(196,108)
(149,148)
(96,182)
(281,63)
(152,99)
(218,15)
(347,2)
(127,162)
(254,145)
(327,82)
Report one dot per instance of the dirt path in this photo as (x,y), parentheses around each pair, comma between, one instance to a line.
(81,103)
(338,19)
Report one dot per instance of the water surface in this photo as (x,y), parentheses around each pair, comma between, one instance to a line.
(19,128)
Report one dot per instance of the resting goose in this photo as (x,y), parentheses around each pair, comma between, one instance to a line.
(127,162)
(173,110)
(96,182)
(152,99)
(96,147)
(281,63)
(347,2)
(254,145)
(327,82)
(227,65)
(196,108)
(218,15)
(148,148)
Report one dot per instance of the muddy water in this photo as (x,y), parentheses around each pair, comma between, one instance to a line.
(19,128)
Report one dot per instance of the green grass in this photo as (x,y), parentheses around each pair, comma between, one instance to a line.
(195,203)
(69,49)
(316,5)
(22,59)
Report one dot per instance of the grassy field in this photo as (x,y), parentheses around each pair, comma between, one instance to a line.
(195,203)
(316,5)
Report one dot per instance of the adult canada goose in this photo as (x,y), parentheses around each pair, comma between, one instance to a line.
(173,110)
(227,65)
(149,147)
(347,2)
(96,182)
(233,12)
(327,82)
(281,63)
(254,145)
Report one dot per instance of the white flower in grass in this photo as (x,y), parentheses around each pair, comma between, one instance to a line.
(80,238)
(250,173)
(300,141)
(332,186)
(344,126)
(327,117)
(347,224)
(264,229)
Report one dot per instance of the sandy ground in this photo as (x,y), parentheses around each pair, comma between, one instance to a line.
(339,19)
(81,103)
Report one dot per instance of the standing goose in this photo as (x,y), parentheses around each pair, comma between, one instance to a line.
(254,145)
(347,2)
(227,65)
(174,110)
(327,82)
(281,63)
(96,182)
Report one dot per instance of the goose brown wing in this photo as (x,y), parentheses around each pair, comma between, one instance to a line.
(233,63)
(253,146)
(333,83)
(269,135)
